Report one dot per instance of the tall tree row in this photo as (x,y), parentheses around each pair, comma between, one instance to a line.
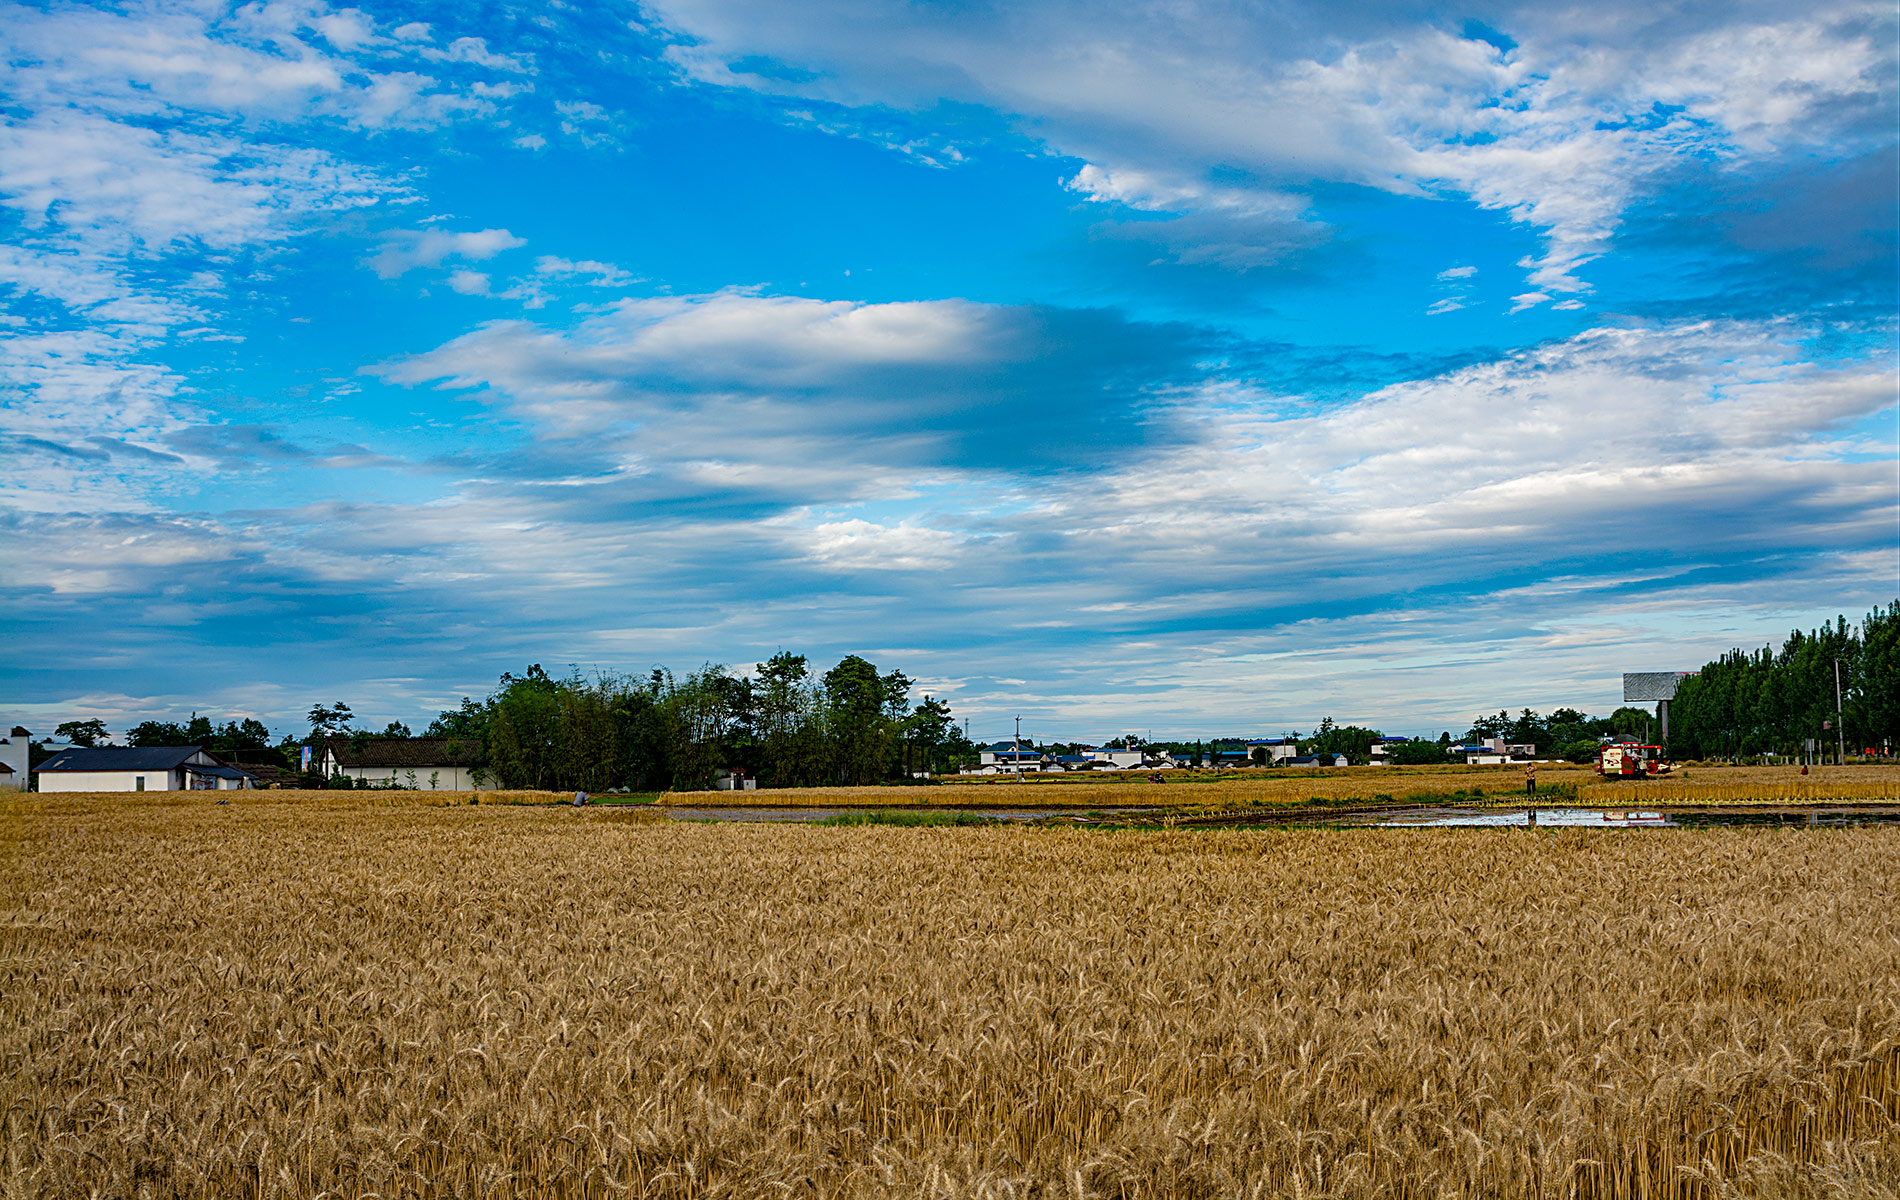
(1770,701)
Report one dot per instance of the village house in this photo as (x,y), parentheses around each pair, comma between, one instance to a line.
(1271,752)
(1495,751)
(140,769)
(425,764)
(1006,757)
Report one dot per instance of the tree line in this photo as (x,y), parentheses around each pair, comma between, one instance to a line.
(1749,703)
(784,726)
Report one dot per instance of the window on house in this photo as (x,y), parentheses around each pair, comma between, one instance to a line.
(138,783)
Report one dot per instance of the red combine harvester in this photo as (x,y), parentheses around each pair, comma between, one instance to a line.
(1627,760)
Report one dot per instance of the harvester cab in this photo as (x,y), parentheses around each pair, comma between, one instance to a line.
(1628,760)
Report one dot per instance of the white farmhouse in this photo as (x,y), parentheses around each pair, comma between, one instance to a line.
(1007,756)
(426,764)
(139,769)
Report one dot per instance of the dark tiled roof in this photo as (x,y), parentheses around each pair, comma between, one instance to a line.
(406,752)
(120,758)
(267,772)
(223,772)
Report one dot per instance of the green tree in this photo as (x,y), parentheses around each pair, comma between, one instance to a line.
(1353,741)
(156,733)
(327,722)
(1873,685)
(522,743)
(859,709)
(82,733)
(1418,752)
(928,731)
(470,721)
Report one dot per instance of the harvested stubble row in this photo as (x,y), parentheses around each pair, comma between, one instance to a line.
(266,1000)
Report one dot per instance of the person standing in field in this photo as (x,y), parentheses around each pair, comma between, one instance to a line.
(1530,779)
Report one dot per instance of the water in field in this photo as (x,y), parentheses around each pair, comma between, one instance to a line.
(1404,818)
(822,814)
(1629,818)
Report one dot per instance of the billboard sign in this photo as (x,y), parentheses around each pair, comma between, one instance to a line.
(1639,686)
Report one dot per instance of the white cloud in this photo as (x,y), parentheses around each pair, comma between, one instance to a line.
(598,274)
(1457,273)
(468,283)
(405,250)
(859,545)
(475,50)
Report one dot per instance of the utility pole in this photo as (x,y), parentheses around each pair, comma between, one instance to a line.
(1840,730)
(1016,750)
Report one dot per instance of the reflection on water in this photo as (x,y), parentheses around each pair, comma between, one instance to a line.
(1632,818)
(821,814)
(1401,818)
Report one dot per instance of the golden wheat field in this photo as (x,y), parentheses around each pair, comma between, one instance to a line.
(361,998)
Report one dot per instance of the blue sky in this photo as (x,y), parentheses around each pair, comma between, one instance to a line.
(1198,369)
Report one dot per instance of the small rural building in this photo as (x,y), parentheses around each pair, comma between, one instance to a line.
(140,769)
(1495,751)
(16,754)
(1271,752)
(734,779)
(426,764)
(1009,756)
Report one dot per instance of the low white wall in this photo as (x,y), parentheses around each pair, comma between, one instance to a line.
(447,779)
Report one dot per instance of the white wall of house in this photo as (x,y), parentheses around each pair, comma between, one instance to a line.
(112,781)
